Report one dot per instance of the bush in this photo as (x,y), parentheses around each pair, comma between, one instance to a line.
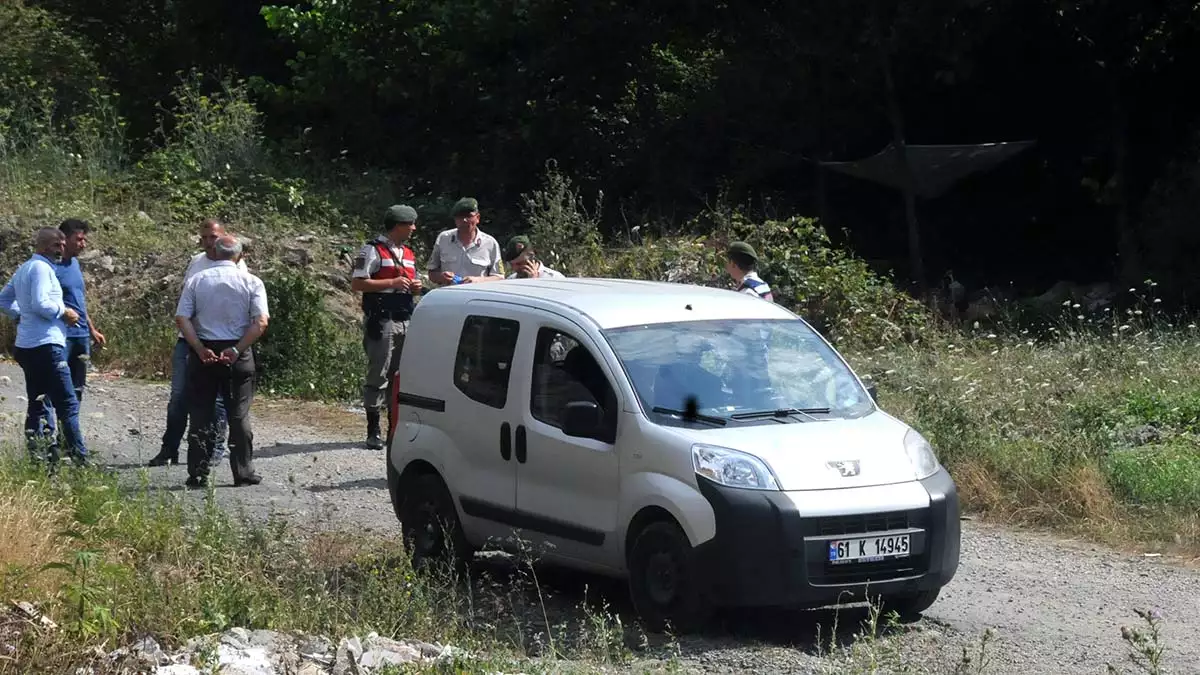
(304,353)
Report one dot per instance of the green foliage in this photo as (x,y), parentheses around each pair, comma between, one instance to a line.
(1156,475)
(565,234)
(304,353)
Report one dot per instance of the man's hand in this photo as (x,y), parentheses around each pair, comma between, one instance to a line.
(228,356)
(71,316)
(99,338)
(442,277)
(207,356)
(402,283)
(414,285)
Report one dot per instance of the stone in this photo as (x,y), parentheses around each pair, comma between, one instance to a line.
(315,645)
(348,653)
(237,638)
(266,638)
(297,257)
(378,657)
(306,238)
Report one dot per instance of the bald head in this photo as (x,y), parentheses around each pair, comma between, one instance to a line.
(50,241)
(227,248)
(210,229)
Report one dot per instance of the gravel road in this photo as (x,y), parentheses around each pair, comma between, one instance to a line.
(1056,605)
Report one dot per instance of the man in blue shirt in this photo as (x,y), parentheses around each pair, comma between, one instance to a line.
(34,298)
(82,334)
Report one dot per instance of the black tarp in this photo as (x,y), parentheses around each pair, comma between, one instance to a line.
(936,168)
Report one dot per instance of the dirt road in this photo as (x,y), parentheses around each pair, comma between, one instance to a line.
(1057,606)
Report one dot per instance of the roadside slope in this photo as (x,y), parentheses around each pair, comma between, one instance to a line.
(1057,605)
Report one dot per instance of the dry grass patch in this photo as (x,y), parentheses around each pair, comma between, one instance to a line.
(30,525)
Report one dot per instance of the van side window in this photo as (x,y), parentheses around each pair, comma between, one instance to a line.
(565,371)
(485,352)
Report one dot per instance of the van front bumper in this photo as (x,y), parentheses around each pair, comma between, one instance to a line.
(767,553)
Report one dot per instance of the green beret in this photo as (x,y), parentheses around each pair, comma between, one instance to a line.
(515,246)
(742,248)
(464,206)
(399,213)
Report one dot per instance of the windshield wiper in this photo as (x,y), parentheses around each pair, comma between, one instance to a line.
(780,412)
(691,417)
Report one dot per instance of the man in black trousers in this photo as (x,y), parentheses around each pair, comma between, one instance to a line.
(222,312)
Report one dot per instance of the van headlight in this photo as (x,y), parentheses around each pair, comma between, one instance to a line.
(732,468)
(920,454)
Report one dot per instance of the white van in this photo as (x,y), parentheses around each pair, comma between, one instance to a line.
(708,446)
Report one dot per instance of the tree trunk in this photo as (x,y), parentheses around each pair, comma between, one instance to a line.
(916,261)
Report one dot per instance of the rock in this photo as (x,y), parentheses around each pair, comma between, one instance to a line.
(306,238)
(5,380)
(99,262)
(317,646)
(348,653)
(297,257)
(148,651)
(237,638)
(1143,435)
(267,638)
(143,217)
(338,281)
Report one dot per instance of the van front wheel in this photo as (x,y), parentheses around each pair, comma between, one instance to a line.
(664,580)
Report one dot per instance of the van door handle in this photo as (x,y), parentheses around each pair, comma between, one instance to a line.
(521,449)
(505,441)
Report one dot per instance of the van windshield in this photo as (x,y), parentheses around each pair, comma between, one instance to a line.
(738,371)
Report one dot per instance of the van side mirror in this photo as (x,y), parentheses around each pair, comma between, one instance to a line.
(582,419)
(874,392)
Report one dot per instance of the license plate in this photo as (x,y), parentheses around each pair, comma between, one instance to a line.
(868,549)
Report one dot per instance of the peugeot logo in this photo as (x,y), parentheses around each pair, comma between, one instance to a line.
(846,467)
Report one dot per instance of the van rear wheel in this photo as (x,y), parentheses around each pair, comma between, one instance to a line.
(664,579)
(429,524)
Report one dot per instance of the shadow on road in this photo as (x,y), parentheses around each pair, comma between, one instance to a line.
(360,484)
(283,449)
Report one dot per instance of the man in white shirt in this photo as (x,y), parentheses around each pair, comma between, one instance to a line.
(522,260)
(177,408)
(222,312)
(465,254)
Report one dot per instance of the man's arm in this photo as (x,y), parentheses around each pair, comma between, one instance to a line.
(259,317)
(364,264)
(44,304)
(184,312)
(8,302)
(436,274)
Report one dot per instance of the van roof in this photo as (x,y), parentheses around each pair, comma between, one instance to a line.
(613,303)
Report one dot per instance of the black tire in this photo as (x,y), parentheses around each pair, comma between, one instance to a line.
(664,580)
(910,607)
(429,524)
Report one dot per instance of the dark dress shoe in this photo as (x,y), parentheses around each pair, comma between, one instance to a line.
(163,459)
(196,482)
(252,479)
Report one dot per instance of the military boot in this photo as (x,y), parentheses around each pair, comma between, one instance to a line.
(374,442)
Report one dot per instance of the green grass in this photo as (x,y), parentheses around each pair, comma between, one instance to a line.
(1087,431)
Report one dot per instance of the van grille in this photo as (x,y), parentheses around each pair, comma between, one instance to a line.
(869,522)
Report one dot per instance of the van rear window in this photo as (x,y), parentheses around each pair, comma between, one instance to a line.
(483,363)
